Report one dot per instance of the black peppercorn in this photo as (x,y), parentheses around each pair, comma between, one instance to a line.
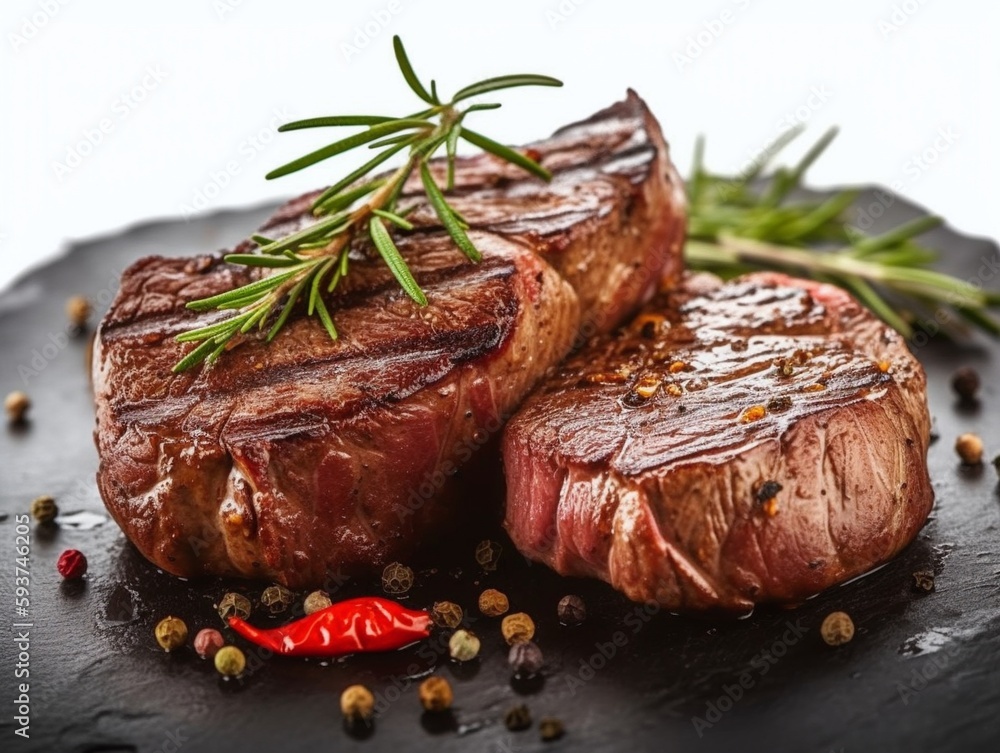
(923,581)
(397,578)
(779,404)
(965,382)
(571,610)
(234,605)
(447,614)
(488,554)
(767,491)
(518,718)
(276,598)
(525,659)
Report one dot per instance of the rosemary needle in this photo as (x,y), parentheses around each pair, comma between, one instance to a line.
(739,224)
(309,264)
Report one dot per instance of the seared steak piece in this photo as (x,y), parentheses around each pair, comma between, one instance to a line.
(756,441)
(304,458)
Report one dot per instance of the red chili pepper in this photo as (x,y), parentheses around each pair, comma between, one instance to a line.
(352,626)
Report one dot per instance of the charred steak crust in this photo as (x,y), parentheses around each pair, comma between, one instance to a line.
(740,443)
(309,458)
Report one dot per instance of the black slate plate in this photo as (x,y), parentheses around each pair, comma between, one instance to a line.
(921,673)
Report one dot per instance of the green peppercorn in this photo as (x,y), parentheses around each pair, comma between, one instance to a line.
(435,694)
(551,729)
(357,704)
(44,509)
(571,610)
(230,661)
(463,646)
(517,627)
(234,605)
(316,601)
(488,554)
(493,603)
(171,633)
(276,598)
(447,614)
(525,659)
(397,578)
(517,718)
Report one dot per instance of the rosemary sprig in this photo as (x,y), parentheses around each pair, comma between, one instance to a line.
(309,264)
(740,224)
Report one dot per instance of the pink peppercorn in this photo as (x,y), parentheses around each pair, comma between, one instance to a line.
(207,642)
(72,564)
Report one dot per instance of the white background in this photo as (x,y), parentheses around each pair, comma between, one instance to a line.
(894,74)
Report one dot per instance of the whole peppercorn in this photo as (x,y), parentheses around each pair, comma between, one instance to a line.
(316,601)
(551,729)
(525,659)
(463,645)
(996,464)
(171,633)
(276,598)
(44,509)
(517,718)
(234,605)
(78,311)
(517,627)
(447,614)
(16,404)
(230,661)
(572,610)
(970,449)
(488,554)
(397,578)
(965,382)
(923,581)
(72,564)
(493,603)
(357,704)
(208,642)
(837,629)
(435,694)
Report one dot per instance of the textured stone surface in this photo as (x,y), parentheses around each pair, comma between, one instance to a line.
(99,682)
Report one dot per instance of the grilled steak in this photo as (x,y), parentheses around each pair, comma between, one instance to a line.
(308,457)
(756,441)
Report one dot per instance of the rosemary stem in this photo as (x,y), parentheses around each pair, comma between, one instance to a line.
(735,250)
(316,258)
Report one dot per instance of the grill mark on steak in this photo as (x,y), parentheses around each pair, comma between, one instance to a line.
(660,496)
(307,456)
